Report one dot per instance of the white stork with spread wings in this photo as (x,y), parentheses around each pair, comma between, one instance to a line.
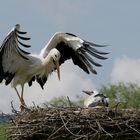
(19,67)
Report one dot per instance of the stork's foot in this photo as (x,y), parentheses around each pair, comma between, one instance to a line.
(23,106)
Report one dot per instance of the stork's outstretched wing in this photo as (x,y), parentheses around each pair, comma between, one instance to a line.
(12,57)
(83,53)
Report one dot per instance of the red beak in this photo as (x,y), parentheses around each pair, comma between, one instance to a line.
(57,68)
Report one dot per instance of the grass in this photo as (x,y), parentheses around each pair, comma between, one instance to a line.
(3,133)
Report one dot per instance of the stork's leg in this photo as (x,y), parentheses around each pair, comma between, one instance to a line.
(23,105)
(17,93)
(22,99)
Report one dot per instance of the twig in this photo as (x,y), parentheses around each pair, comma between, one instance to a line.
(102,129)
(116,108)
(63,122)
(56,131)
(70,103)
(132,128)
(69,130)
(34,105)
(13,109)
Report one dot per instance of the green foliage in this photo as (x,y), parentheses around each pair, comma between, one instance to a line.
(3,131)
(126,94)
(63,101)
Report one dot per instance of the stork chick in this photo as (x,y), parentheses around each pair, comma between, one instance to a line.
(95,99)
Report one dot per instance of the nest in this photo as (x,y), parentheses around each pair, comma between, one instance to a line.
(75,123)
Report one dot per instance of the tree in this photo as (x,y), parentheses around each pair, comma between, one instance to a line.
(126,94)
(64,101)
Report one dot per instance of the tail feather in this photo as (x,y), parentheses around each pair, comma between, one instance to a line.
(41,81)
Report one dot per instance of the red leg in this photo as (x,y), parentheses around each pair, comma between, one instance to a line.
(23,105)
(17,93)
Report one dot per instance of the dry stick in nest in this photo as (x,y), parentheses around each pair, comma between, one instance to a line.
(57,130)
(81,136)
(96,131)
(70,103)
(13,109)
(96,119)
(132,128)
(102,129)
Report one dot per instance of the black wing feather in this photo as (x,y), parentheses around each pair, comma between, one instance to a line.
(24,45)
(83,56)
(93,44)
(23,38)
(67,53)
(21,32)
(12,37)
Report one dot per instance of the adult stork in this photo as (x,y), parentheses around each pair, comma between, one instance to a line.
(19,67)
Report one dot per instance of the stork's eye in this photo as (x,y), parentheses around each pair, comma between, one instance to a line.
(55,55)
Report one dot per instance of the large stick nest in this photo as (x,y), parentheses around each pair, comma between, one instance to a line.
(76,123)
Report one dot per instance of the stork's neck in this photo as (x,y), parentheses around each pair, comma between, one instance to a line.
(47,60)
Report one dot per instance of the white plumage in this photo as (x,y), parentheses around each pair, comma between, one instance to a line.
(19,67)
(95,99)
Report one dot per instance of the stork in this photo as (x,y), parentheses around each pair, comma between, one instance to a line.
(19,67)
(95,99)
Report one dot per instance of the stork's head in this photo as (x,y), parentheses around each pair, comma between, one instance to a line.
(55,56)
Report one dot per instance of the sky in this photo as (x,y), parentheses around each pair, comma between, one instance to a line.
(113,23)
